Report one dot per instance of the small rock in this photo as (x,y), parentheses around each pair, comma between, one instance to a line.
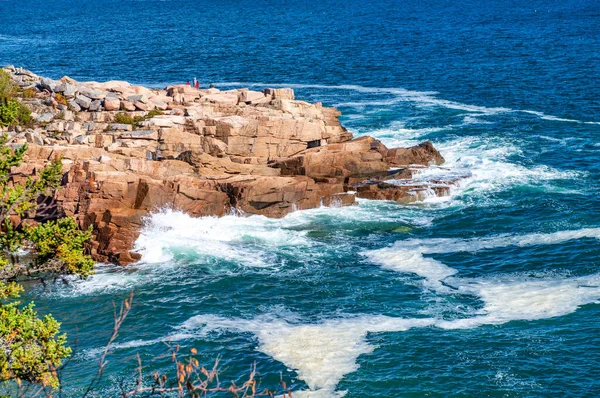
(92,93)
(48,84)
(68,80)
(44,117)
(140,135)
(222,98)
(68,90)
(247,96)
(138,97)
(140,105)
(160,105)
(112,104)
(83,101)
(81,140)
(159,122)
(127,106)
(96,105)
(120,126)
(34,138)
(68,115)
(280,93)
(75,106)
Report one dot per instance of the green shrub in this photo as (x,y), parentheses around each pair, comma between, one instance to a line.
(8,88)
(152,113)
(61,240)
(24,115)
(124,118)
(32,347)
(136,120)
(13,113)
(9,113)
(60,99)
(28,93)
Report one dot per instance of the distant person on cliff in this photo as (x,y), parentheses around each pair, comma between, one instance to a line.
(197,84)
(187,83)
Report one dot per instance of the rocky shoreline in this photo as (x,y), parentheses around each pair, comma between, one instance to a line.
(129,150)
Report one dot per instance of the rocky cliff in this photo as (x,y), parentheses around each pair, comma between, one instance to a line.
(129,150)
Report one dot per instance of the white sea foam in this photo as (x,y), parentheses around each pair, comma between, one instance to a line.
(407,256)
(544,116)
(511,298)
(412,262)
(505,298)
(250,242)
(323,353)
(320,353)
(443,245)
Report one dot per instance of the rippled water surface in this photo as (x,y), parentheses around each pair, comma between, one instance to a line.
(492,291)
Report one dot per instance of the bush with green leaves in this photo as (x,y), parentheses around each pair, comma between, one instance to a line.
(8,88)
(12,112)
(124,118)
(32,346)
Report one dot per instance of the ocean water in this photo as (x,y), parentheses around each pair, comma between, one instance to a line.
(491,292)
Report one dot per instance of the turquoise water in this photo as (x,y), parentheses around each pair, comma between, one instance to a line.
(492,291)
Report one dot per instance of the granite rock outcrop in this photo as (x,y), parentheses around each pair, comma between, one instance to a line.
(129,150)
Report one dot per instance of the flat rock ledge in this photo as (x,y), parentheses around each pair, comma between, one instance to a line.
(207,153)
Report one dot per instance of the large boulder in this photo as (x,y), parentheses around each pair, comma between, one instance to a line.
(222,98)
(48,84)
(112,104)
(423,154)
(360,158)
(279,93)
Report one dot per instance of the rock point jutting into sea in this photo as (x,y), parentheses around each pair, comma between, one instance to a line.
(130,150)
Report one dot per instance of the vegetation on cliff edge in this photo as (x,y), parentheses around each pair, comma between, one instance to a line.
(12,112)
(32,346)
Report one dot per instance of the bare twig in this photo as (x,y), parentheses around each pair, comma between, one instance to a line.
(119,318)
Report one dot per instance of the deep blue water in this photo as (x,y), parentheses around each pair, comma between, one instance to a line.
(491,292)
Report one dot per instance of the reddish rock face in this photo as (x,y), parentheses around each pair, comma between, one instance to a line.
(422,154)
(208,153)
